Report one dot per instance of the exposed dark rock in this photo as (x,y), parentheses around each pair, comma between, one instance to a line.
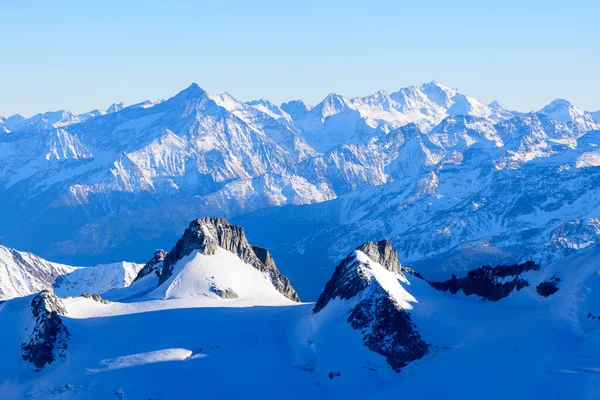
(492,283)
(334,374)
(96,297)
(387,328)
(209,234)
(548,287)
(347,281)
(49,336)
(412,272)
(382,252)
(155,265)
(227,293)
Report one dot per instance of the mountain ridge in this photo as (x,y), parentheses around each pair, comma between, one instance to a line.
(108,177)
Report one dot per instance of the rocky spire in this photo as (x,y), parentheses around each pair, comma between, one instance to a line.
(209,234)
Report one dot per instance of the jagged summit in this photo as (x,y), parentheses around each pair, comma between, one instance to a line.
(382,252)
(368,287)
(115,107)
(193,90)
(210,237)
(354,273)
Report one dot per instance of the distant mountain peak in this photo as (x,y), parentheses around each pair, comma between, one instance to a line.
(115,107)
(562,110)
(295,108)
(438,93)
(560,102)
(496,105)
(260,102)
(434,83)
(192,91)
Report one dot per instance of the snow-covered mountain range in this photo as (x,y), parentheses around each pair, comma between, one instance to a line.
(453,182)
(22,274)
(214,315)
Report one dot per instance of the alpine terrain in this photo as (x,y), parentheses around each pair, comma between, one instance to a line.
(418,243)
(214,315)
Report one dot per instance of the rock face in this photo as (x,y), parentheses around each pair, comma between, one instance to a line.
(155,265)
(48,339)
(96,297)
(492,283)
(548,287)
(209,234)
(386,327)
(382,252)
(226,293)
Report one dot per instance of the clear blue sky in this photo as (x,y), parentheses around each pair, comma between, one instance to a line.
(81,55)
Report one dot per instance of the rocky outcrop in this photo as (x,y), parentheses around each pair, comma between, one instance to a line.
(209,234)
(492,283)
(386,327)
(48,337)
(155,265)
(96,297)
(382,252)
(348,280)
(226,293)
(548,287)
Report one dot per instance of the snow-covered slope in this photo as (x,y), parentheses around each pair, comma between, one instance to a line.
(22,274)
(379,329)
(221,275)
(213,259)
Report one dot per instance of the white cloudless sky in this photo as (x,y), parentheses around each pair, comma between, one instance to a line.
(82,55)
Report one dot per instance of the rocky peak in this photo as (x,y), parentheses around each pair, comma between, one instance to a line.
(208,234)
(192,91)
(382,252)
(496,105)
(295,108)
(438,93)
(49,336)
(386,327)
(115,107)
(155,265)
(349,278)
